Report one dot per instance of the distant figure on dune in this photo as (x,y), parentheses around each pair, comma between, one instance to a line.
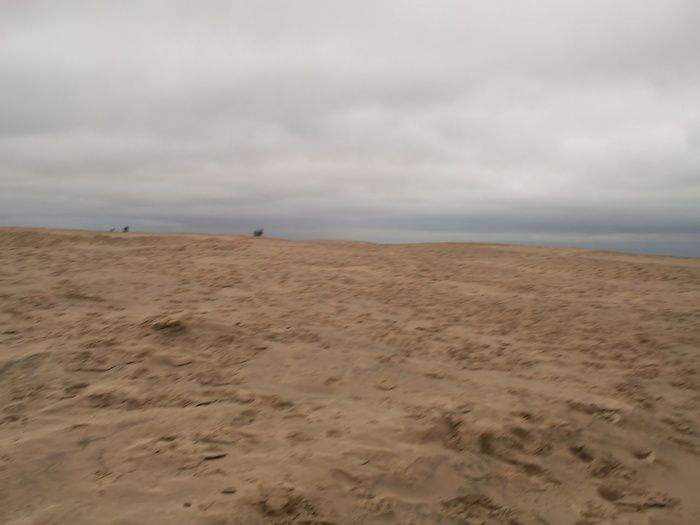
(111,230)
(258,233)
(126,229)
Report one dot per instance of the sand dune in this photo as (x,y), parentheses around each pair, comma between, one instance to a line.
(167,379)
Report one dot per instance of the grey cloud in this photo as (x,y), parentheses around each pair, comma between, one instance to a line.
(539,121)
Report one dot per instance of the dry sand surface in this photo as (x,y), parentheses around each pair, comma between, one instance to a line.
(193,379)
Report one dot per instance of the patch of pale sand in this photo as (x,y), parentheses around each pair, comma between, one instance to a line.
(212,379)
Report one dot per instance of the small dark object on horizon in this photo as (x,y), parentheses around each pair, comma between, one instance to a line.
(126,229)
(258,233)
(111,230)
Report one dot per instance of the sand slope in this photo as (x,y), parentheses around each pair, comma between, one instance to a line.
(193,379)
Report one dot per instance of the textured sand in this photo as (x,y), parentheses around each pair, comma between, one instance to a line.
(192,379)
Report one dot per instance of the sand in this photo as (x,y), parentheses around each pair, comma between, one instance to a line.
(194,379)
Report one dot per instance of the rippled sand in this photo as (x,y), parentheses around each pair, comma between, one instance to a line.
(168,379)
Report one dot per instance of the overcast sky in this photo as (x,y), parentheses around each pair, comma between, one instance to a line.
(561,122)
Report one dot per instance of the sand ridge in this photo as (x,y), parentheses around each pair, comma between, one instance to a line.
(153,378)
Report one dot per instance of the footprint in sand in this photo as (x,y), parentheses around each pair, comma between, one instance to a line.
(630,498)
